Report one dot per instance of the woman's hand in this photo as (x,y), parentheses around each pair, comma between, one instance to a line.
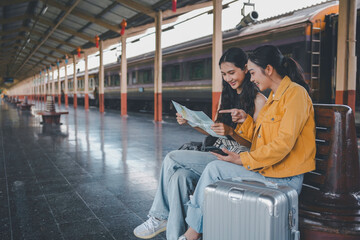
(180,119)
(222,129)
(237,115)
(231,157)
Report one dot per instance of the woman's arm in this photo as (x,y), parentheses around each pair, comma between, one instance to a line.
(296,107)
(183,121)
(260,101)
(225,130)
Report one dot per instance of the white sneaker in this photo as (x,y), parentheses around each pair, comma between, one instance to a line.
(150,228)
(182,237)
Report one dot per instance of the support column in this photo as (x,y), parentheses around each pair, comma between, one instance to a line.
(123,74)
(59,86)
(75,83)
(38,85)
(46,82)
(346,58)
(216,55)
(53,85)
(86,87)
(66,87)
(158,69)
(101,78)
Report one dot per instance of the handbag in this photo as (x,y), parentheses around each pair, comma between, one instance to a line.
(231,145)
(214,144)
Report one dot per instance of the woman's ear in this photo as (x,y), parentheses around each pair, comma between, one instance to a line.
(269,70)
(245,69)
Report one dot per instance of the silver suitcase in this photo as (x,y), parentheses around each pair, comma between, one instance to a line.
(239,209)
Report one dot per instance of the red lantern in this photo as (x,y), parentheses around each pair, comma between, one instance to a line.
(174,5)
(79,51)
(97,41)
(123,25)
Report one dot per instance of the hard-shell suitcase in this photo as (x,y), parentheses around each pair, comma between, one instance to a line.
(239,209)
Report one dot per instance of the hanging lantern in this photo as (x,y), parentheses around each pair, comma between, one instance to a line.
(97,41)
(50,68)
(174,5)
(57,62)
(79,51)
(123,25)
(66,59)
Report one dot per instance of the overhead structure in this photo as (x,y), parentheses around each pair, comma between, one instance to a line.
(37,34)
(346,54)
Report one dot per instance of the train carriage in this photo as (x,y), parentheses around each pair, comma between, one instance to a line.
(308,35)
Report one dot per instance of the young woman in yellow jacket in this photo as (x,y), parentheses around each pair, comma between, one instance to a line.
(282,137)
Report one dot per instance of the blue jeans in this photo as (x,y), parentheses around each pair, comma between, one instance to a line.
(184,170)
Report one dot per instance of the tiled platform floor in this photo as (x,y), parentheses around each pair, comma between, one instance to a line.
(94,177)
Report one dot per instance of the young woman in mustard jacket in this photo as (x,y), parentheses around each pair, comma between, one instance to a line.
(282,137)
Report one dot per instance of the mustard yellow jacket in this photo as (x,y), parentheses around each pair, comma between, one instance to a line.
(283,136)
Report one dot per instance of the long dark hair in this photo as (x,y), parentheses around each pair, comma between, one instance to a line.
(229,97)
(284,66)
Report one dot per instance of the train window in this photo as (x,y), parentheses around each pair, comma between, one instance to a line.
(133,77)
(197,70)
(91,83)
(115,80)
(106,81)
(145,76)
(171,73)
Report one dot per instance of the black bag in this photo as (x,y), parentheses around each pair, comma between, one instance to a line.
(200,146)
(195,146)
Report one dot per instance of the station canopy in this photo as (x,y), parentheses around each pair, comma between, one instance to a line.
(38,34)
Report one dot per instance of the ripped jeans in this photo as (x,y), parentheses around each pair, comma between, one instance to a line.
(181,172)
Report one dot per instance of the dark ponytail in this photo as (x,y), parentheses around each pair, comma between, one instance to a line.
(284,66)
(229,97)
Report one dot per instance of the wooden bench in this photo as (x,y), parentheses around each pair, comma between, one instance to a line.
(50,116)
(25,105)
(329,204)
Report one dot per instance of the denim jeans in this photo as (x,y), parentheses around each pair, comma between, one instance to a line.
(180,172)
(184,170)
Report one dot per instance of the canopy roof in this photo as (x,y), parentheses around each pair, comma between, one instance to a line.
(35,34)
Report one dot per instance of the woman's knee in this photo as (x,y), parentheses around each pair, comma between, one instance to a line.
(184,178)
(170,159)
(212,170)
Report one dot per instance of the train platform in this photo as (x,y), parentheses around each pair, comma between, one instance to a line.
(93,177)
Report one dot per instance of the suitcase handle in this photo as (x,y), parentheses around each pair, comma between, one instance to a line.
(253,179)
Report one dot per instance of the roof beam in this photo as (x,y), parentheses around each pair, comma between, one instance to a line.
(27,29)
(67,30)
(49,34)
(16,30)
(83,15)
(14,19)
(48,55)
(186,9)
(137,7)
(12,2)
(12,39)
(57,50)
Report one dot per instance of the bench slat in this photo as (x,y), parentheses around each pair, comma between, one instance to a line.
(314,179)
(322,149)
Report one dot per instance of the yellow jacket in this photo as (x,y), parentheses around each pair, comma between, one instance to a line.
(283,137)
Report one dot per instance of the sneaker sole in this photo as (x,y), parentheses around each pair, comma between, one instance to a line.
(152,235)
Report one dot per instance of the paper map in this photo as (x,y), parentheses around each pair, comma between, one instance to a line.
(196,119)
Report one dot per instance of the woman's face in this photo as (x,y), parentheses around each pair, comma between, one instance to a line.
(258,76)
(233,75)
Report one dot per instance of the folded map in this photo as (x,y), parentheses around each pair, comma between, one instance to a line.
(196,119)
